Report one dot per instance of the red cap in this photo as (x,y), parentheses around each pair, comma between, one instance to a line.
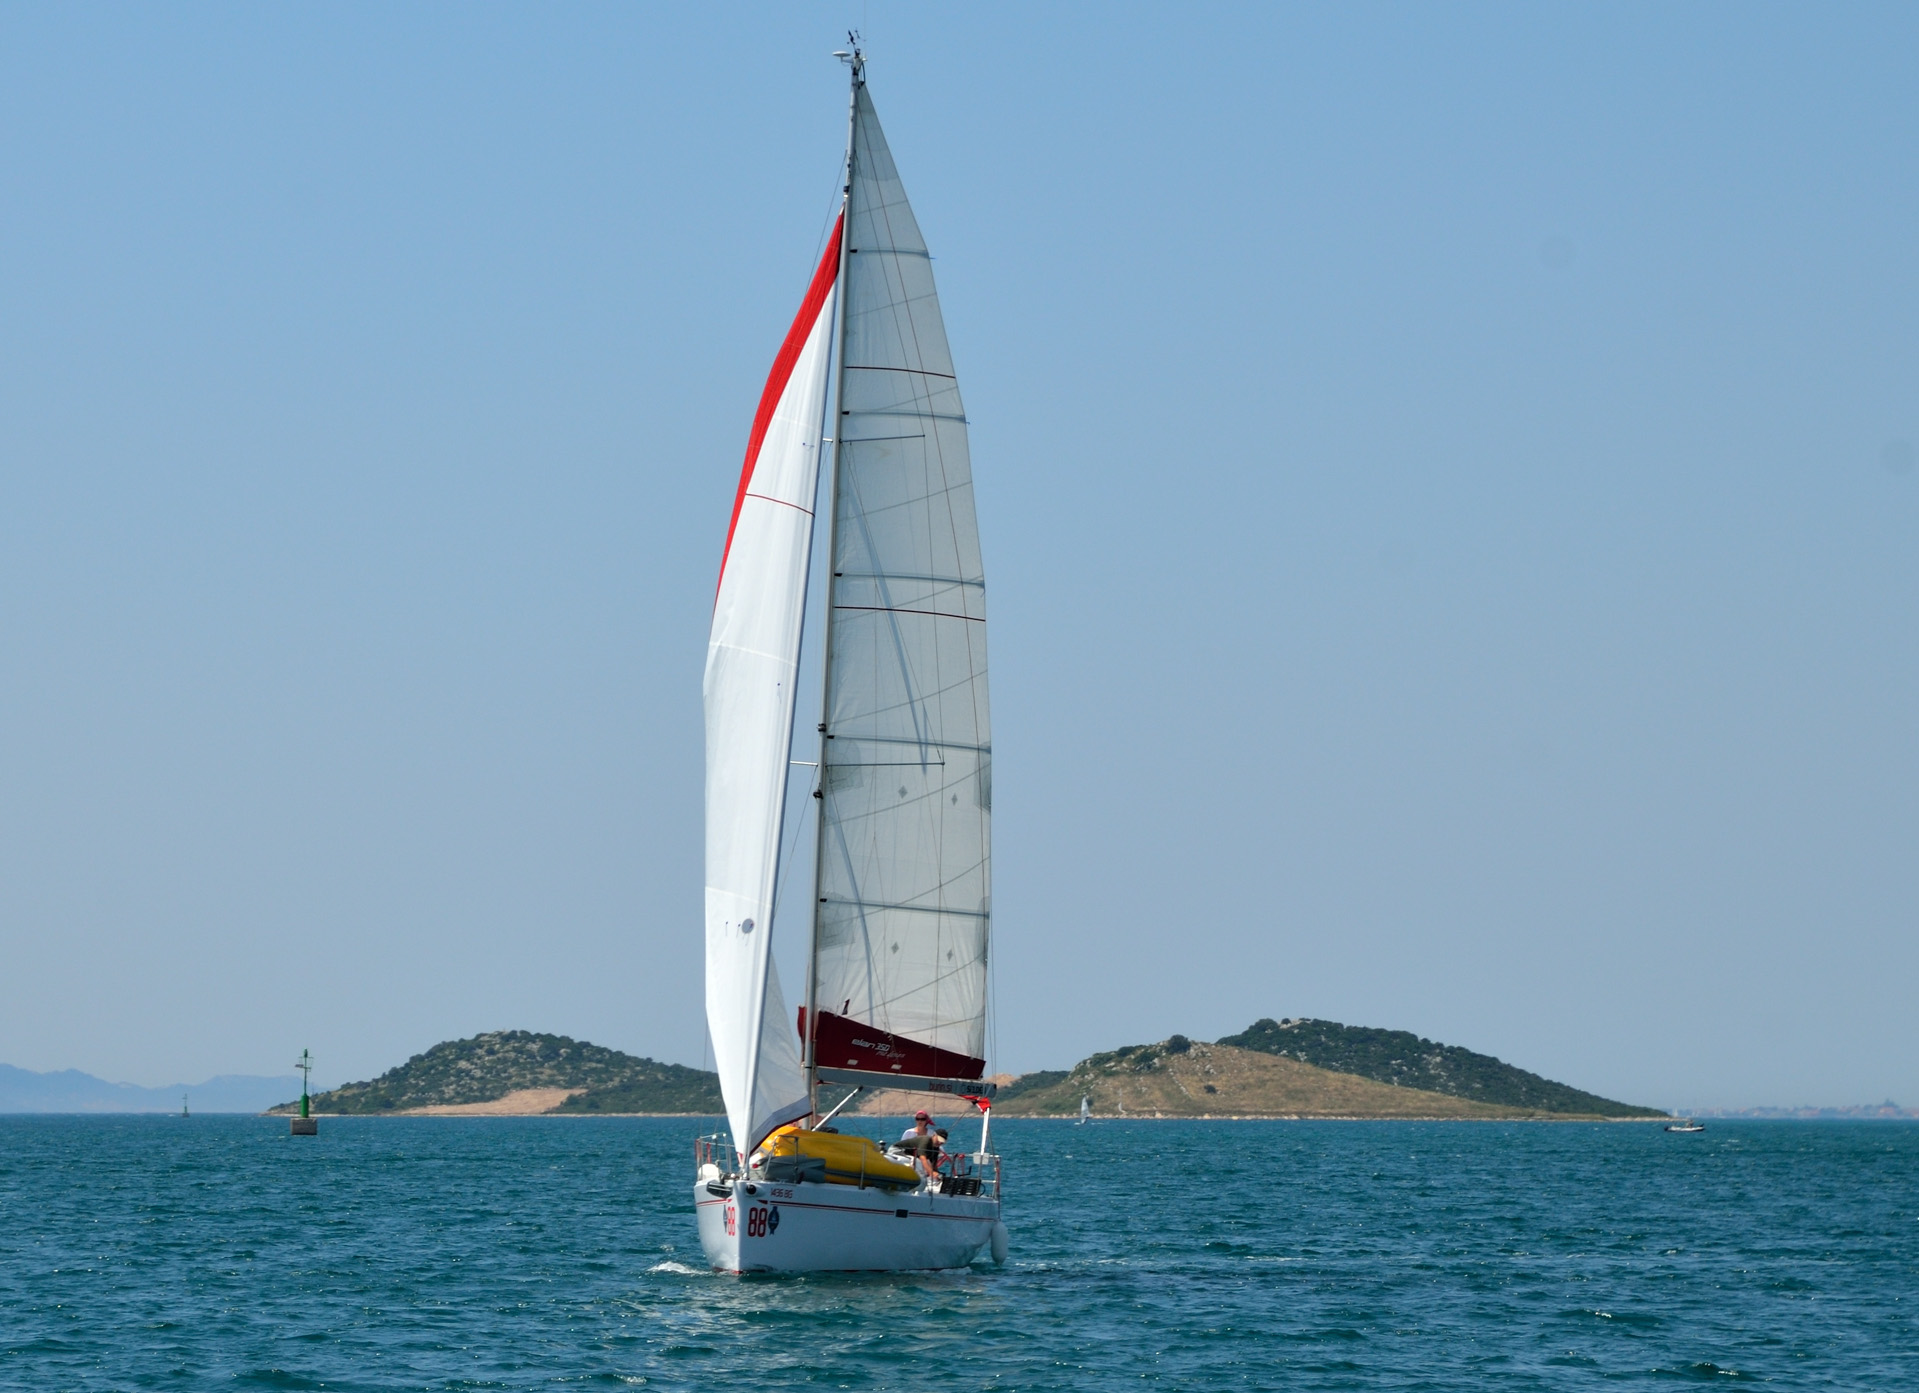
(921,1117)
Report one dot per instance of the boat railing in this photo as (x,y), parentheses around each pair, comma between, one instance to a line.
(970,1173)
(960,1172)
(716,1150)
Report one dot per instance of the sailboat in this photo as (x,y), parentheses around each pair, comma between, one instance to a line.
(1085,1110)
(900,917)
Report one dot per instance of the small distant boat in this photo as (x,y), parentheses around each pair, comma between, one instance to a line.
(1085,1110)
(1687,1126)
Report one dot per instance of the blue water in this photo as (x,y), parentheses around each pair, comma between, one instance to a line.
(537,1253)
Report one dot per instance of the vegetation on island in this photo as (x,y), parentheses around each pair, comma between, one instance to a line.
(1405,1060)
(486,1068)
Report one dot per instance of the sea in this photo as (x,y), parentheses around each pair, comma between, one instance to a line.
(550,1253)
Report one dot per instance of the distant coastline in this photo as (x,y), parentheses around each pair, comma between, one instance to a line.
(1859,1112)
(1293,1070)
(1279,1070)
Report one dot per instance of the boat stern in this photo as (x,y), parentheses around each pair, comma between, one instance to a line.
(751,1225)
(716,1207)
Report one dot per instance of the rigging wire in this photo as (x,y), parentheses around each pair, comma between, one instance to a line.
(833,204)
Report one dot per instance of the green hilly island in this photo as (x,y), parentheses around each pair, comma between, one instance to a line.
(579,1077)
(1292,1068)
(1327,1070)
(1406,1060)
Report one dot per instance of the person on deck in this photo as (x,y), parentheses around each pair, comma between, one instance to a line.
(920,1140)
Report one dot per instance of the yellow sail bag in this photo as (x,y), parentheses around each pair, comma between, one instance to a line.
(847,1160)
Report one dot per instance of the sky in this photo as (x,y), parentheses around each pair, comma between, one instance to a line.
(1446,477)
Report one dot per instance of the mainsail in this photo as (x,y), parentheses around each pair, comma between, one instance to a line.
(904,890)
(752,663)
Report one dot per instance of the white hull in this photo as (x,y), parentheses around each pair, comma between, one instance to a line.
(761,1227)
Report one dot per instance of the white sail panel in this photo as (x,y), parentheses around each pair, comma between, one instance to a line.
(904,884)
(752,663)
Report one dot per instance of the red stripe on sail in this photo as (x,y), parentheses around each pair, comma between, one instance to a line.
(776,380)
(841,1043)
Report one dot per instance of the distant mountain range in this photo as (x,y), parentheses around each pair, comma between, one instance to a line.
(69,1090)
(1858,1111)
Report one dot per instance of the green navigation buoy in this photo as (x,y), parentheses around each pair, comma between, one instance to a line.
(305,1125)
(183,1106)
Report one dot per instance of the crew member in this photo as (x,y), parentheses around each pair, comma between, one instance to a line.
(921,1141)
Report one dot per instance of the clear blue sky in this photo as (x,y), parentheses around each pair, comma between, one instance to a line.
(1447,482)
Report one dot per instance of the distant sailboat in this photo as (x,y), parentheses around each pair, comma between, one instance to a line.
(896,971)
(1085,1110)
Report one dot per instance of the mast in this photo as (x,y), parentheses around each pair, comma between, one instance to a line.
(856,62)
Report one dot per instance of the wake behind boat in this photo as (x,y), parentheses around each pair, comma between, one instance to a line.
(896,976)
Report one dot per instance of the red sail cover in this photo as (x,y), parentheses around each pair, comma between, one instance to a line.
(848,1044)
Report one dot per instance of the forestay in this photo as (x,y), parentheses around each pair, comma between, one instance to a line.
(904,886)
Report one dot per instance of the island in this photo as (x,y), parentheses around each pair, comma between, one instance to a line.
(521,1073)
(1304,1068)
